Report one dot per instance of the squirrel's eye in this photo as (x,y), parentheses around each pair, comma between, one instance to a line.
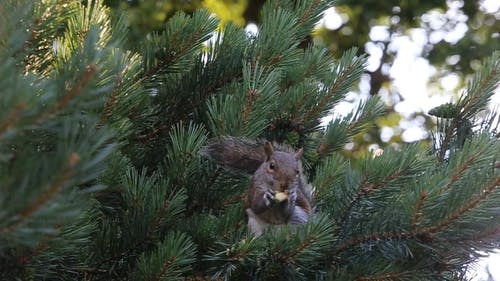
(271,165)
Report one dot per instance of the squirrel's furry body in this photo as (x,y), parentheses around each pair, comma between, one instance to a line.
(272,172)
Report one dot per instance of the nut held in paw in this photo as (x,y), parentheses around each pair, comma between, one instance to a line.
(280,196)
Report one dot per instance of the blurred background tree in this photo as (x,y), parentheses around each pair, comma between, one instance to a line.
(456,33)
(145,16)
(421,52)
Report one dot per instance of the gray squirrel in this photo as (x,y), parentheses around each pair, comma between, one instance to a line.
(278,193)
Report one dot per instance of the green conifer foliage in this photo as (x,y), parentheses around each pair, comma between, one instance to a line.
(102,175)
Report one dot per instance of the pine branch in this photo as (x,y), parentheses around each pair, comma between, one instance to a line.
(333,168)
(478,93)
(291,256)
(229,201)
(340,130)
(155,132)
(66,173)
(44,22)
(173,56)
(309,12)
(250,100)
(87,270)
(188,109)
(425,234)
(486,235)
(42,246)
(348,71)
(164,269)
(126,95)
(379,236)
(33,34)
(417,214)
(391,276)
(88,74)
(474,202)
(172,258)
(182,36)
(448,136)
(12,117)
(460,171)
(321,188)
(210,91)
(110,103)
(146,198)
(365,188)
(157,219)
(246,110)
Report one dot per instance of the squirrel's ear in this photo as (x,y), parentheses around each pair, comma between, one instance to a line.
(268,148)
(299,153)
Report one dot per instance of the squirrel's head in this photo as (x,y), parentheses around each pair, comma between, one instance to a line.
(285,167)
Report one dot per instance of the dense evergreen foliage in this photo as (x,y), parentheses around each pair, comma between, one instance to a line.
(101,175)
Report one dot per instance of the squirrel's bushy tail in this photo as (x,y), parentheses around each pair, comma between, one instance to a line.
(242,155)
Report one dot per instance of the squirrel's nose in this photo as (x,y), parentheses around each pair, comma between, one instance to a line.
(284,186)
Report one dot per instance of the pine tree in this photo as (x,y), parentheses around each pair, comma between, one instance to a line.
(101,175)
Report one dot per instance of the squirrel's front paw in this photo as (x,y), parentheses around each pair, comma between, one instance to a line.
(292,195)
(268,197)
